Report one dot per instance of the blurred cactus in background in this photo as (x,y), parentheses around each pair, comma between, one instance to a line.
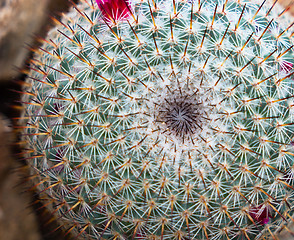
(164,120)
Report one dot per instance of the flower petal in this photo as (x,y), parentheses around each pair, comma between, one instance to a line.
(114,10)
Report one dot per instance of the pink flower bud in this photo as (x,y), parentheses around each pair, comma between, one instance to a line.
(260,214)
(286,66)
(114,10)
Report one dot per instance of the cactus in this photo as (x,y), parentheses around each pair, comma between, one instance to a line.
(164,120)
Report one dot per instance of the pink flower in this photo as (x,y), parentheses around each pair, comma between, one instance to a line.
(114,10)
(286,66)
(260,214)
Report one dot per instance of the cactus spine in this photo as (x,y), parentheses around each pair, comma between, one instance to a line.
(171,121)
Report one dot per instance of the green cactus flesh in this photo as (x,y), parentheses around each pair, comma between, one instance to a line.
(175,123)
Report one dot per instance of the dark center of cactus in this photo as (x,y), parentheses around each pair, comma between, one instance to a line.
(181,115)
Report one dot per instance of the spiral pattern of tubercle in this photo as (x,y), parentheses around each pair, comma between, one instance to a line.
(110,171)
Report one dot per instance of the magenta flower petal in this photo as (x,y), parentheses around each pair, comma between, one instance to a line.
(140,236)
(260,214)
(114,10)
(286,66)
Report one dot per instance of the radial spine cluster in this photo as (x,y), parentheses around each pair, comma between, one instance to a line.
(174,121)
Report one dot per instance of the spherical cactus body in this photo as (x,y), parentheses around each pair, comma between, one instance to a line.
(164,120)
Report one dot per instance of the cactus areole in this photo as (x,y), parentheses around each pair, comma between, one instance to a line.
(164,120)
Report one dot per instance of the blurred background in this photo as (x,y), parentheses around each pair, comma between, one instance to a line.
(22,217)
(22,22)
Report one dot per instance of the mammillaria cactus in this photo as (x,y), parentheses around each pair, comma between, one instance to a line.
(164,120)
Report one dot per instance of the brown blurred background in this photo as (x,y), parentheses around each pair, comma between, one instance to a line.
(21,21)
